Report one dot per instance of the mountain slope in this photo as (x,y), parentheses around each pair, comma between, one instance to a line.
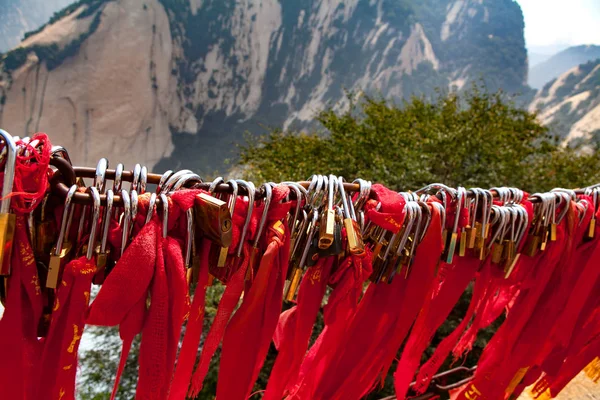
(571,103)
(20,16)
(560,63)
(181,80)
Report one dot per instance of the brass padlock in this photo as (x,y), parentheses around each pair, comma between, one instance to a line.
(591,232)
(45,232)
(7,220)
(224,250)
(462,248)
(509,253)
(213,219)
(471,236)
(497,252)
(532,245)
(356,245)
(327,226)
(60,253)
(102,251)
(292,287)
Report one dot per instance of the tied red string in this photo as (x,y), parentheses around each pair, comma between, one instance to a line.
(31,174)
(19,344)
(59,360)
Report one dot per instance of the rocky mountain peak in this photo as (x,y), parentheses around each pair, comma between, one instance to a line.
(166,78)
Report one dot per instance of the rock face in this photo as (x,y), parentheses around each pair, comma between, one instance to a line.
(179,81)
(571,103)
(110,98)
(20,16)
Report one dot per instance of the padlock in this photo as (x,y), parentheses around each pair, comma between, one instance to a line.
(532,245)
(102,251)
(497,252)
(462,248)
(258,234)
(356,245)
(213,219)
(327,226)
(45,232)
(471,237)
(7,220)
(59,255)
(224,250)
(591,232)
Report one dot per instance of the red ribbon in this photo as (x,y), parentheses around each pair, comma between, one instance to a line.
(19,344)
(295,327)
(59,360)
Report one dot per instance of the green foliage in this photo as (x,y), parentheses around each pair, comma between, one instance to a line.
(475,139)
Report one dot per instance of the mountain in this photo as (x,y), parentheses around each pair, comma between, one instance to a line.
(536,58)
(560,63)
(178,82)
(571,103)
(20,16)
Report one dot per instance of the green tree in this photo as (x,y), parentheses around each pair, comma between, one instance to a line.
(473,139)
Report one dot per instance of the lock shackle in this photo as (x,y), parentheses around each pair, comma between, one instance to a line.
(165,222)
(60,152)
(216,182)
(263,218)
(65,223)
(135,181)
(163,179)
(190,236)
(134,209)
(172,180)
(184,179)
(345,209)
(100,176)
(118,181)
(9,171)
(143,179)
(151,205)
(331,191)
(249,186)
(95,216)
(233,196)
(309,239)
(126,219)
(107,218)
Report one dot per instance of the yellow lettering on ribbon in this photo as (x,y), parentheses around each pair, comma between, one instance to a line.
(36,284)
(315,276)
(76,338)
(472,393)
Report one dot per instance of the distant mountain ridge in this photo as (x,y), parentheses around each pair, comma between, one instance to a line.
(20,16)
(570,104)
(560,63)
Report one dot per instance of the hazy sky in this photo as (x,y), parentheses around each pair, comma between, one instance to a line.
(561,22)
